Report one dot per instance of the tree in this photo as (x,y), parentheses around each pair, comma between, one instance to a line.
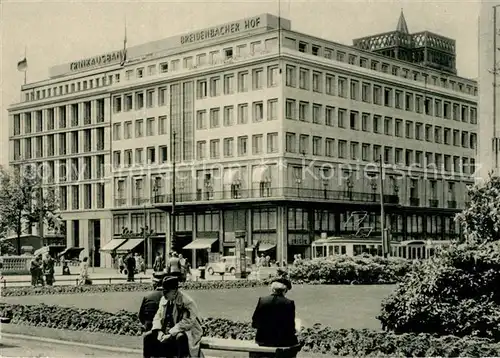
(23,203)
(480,221)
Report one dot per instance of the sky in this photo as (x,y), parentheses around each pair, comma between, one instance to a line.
(58,32)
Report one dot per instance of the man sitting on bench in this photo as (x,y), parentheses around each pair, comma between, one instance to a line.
(177,330)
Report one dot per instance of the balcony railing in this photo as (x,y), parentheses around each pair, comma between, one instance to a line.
(120,202)
(296,193)
(433,203)
(452,204)
(414,202)
(139,201)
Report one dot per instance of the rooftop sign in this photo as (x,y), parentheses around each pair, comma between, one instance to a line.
(106,59)
(160,46)
(219,31)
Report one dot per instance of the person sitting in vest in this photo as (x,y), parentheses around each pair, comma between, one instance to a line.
(176,330)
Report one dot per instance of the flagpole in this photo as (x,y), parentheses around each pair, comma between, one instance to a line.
(26,70)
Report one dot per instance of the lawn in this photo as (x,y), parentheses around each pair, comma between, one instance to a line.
(336,306)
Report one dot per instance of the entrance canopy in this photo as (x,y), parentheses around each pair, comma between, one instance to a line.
(266,247)
(200,244)
(112,245)
(130,245)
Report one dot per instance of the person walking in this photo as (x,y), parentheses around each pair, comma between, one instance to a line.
(174,265)
(121,264)
(274,319)
(48,270)
(83,279)
(159,264)
(131,267)
(36,271)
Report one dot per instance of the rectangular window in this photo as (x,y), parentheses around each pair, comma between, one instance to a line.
(290,145)
(214,148)
(242,146)
(272,142)
(272,109)
(162,125)
(257,79)
(257,144)
(228,147)
(228,116)
(214,117)
(139,131)
(258,111)
(243,113)
(290,109)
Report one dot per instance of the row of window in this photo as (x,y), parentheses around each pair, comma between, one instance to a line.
(376,64)
(73,169)
(368,122)
(163,66)
(56,118)
(367,152)
(81,196)
(141,128)
(211,149)
(87,140)
(259,111)
(368,92)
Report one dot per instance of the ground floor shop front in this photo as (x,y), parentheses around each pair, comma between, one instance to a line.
(278,230)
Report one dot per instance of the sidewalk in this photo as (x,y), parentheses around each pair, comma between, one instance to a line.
(100,276)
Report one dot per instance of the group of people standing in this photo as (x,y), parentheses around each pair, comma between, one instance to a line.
(42,270)
(174,329)
(176,266)
(131,264)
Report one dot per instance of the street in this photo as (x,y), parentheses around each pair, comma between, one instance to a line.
(15,347)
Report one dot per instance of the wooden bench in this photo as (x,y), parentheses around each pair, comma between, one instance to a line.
(250,347)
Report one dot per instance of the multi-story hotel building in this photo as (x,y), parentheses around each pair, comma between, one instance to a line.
(277,133)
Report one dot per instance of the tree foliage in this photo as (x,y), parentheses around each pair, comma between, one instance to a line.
(456,292)
(480,221)
(24,203)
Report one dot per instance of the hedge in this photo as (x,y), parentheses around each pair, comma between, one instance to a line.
(317,339)
(127,287)
(342,269)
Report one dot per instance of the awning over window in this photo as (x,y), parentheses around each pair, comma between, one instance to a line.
(266,247)
(130,245)
(261,174)
(112,245)
(230,176)
(200,244)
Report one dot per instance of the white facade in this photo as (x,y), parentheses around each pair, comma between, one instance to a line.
(259,113)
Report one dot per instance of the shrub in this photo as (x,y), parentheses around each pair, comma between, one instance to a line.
(317,339)
(127,287)
(456,292)
(480,221)
(342,269)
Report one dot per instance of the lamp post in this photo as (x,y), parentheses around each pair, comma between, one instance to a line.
(373,185)
(350,185)
(495,75)
(325,188)
(172,214)
(382,211)
(298,181)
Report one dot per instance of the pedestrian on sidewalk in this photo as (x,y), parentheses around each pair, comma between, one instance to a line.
(121,264)
(159,264)
(131,267)
(174,265)
(36,271)
(83,279)
(49,270)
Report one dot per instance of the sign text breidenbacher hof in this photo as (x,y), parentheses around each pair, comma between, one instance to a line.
(108,58)
(231,28)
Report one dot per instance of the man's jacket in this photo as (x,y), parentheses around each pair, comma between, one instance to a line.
(149,306)
(274,319)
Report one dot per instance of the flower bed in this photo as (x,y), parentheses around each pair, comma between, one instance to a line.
(317,339)
(342,269)
(127,287)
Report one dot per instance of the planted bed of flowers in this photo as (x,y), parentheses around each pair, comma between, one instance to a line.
(317,339)
(127,287)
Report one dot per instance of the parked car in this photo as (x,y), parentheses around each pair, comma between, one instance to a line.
(229,263)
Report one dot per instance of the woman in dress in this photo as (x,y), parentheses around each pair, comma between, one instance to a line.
(84,272)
